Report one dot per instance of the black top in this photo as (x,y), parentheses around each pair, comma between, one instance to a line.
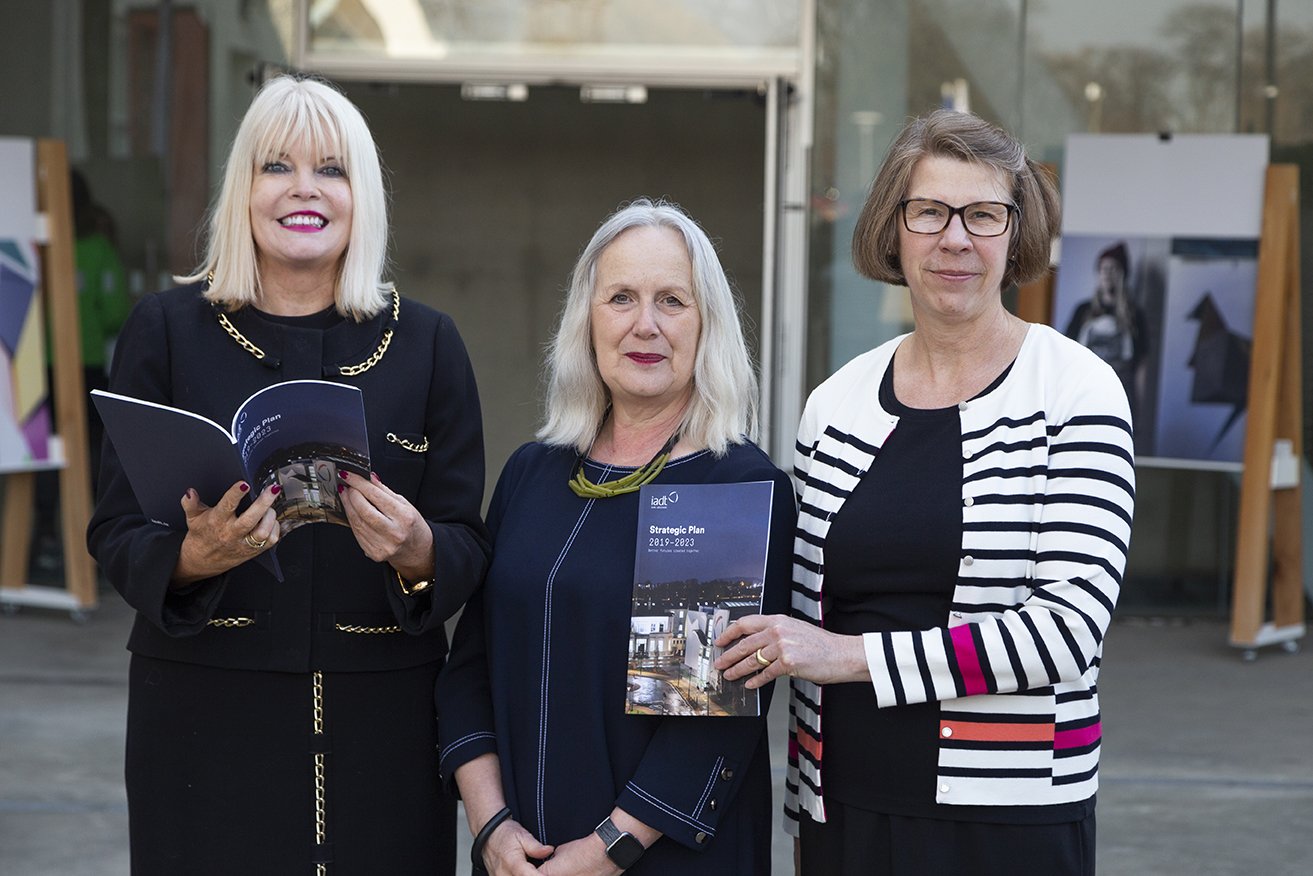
(175,350)
(891,564)
(538,673)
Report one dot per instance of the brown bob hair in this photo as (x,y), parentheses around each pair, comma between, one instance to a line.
(966,137)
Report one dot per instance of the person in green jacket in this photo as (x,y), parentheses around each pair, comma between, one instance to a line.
(103,305)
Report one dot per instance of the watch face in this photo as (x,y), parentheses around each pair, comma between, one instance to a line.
(625,851)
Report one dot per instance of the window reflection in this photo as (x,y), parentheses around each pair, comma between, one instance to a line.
(440,28)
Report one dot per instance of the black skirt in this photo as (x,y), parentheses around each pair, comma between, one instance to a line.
(856,842)
(232,771)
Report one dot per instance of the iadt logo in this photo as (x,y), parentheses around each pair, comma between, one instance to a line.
(665,501)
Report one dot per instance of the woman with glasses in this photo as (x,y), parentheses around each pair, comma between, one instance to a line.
(965,497)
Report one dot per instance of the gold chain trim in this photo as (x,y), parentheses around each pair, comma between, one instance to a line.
(353,370)
(347,370)
(318,679)
(230,622)
(239,337)
(321,819)
(409,445)
(321,831)
(355,628)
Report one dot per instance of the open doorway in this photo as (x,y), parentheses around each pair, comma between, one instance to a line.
(492,202)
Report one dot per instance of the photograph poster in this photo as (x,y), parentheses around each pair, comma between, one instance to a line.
(25,412)
(700,565)
(1158,276)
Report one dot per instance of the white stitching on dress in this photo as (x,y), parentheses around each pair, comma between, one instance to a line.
(706,792)
(667,808)
(547,657)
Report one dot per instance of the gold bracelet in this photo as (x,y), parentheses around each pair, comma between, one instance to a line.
(412,589)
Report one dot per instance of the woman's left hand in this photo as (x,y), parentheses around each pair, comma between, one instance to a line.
(585,856)
(387,527)
(788,646)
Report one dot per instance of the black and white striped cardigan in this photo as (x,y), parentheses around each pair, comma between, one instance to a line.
(1048,490)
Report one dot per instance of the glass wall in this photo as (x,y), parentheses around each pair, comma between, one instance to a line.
(1044,70)
(509,36)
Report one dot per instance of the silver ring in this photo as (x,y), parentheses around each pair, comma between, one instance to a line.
(762,660)
(253,544)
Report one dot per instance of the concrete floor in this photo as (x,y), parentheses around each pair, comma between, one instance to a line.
(1206,766)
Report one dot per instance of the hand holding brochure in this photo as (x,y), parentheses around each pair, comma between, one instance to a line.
(296,434)
(700,565)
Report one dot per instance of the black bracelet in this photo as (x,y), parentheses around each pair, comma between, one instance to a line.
(481,840)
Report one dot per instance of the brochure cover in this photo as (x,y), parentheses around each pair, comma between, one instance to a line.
(700,565)
(296,434)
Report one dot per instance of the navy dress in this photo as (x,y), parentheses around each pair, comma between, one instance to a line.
(537,674)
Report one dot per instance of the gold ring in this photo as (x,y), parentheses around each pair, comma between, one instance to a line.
(762,660)
(252,543)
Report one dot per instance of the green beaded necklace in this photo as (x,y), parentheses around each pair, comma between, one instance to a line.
(586,489)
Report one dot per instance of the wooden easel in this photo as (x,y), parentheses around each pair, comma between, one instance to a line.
(59,280)
(1270,528)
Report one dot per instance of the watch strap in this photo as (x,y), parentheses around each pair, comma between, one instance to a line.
(622,848)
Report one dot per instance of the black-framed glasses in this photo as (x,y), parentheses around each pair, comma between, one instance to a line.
(981,219)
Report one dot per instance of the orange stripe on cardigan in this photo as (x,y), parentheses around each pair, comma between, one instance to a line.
(981,731)
(806,741)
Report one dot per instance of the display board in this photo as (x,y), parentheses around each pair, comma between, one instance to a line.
(1159,262)
(25,413)
(53,235)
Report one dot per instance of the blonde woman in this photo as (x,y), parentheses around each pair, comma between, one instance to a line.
(288,727)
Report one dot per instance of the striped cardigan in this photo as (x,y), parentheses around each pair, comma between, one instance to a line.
(1047,495)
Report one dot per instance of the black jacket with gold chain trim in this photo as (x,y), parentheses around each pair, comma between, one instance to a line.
(336,610)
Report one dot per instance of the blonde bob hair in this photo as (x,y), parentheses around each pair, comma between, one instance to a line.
(948,133)
(723,409)
(290,112)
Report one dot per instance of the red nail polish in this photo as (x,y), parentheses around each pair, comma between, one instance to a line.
(245,487)
(341,488)
(342,473)
(275,489)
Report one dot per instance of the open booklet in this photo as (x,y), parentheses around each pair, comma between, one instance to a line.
(297,434)
(700,565)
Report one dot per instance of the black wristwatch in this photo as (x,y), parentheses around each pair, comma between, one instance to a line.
(622,848)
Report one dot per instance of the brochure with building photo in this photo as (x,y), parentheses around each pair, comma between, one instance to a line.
(700,565)
(297,434)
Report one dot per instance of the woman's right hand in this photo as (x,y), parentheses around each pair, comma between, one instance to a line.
(219,538)
(511,851)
